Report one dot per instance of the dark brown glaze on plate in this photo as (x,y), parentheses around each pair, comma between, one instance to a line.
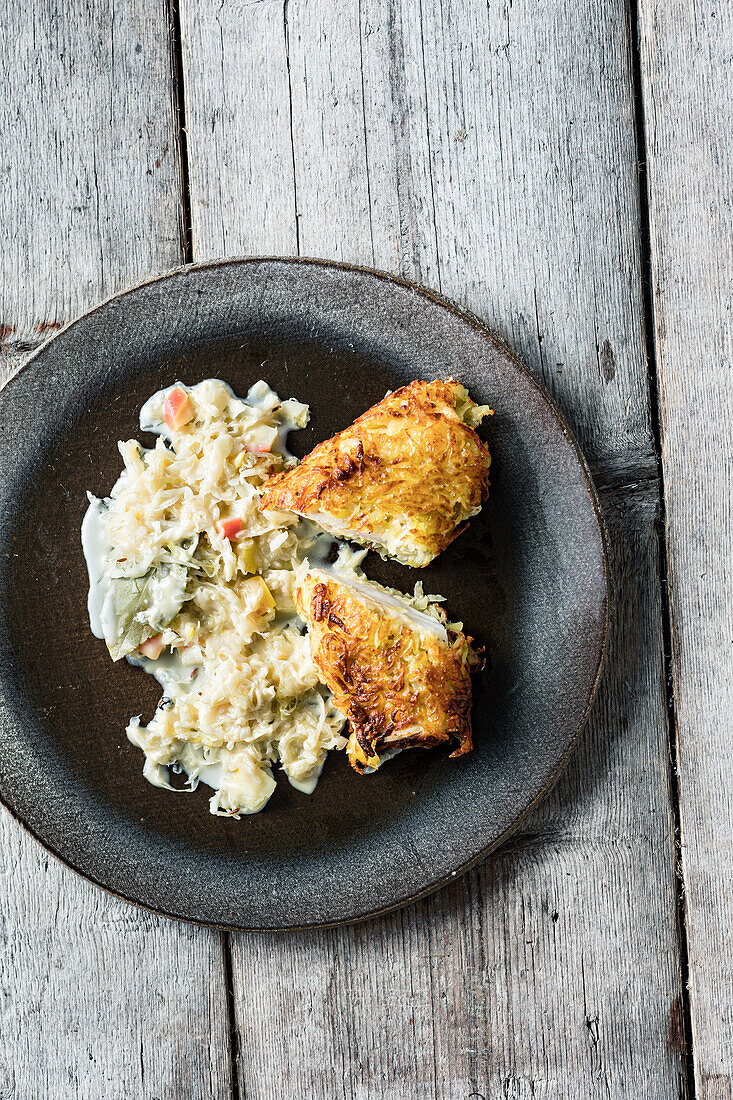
(528,579)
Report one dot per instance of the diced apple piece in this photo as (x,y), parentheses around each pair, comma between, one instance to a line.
(178,408)
(153,647)
(261,439)
(247,558)
(229,528)
(261,594)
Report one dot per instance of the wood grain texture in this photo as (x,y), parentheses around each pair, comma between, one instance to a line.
(489,151)
(551,971)
(687,68)
(97,999)
(90,173)
(238,112)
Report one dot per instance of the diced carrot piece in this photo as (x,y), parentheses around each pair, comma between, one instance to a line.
(153,647)
(229,528)
(258,449)
(178,408)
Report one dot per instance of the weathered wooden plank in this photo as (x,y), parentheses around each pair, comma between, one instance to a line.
(687,68)
(97,999)
(549,972)
(472,146)
(88,200)
(241,181)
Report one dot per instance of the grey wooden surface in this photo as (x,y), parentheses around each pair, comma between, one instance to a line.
(687,57)
(535,162)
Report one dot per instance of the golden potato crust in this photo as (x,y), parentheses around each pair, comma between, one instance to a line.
(402,479)
(398,686)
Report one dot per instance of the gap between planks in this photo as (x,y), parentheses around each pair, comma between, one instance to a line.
(174,24)
(647,291)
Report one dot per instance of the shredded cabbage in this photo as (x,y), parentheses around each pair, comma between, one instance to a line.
(241,693)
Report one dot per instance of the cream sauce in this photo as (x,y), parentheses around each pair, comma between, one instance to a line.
(307,786)
(96,549)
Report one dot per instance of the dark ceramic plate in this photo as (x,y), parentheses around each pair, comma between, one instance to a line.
(528,579)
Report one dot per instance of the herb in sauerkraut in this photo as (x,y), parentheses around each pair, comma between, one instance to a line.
(192,581)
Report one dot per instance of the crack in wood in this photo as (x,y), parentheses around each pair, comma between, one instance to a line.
(176,40)
(686,1046)
(286,32)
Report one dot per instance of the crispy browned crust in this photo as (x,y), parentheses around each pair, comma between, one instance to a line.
(408,469)
(397,687)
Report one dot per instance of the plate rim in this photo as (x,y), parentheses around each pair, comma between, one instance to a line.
(483,329)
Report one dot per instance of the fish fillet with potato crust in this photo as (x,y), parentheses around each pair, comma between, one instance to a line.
(402,480)
(401,675)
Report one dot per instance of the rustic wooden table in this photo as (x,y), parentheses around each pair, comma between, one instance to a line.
(563,169)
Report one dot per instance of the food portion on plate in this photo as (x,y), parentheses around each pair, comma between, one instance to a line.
(193,581)
(402,480)
(262,630)
(398,670)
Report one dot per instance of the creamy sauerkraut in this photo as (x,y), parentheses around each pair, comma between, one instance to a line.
(192,581)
